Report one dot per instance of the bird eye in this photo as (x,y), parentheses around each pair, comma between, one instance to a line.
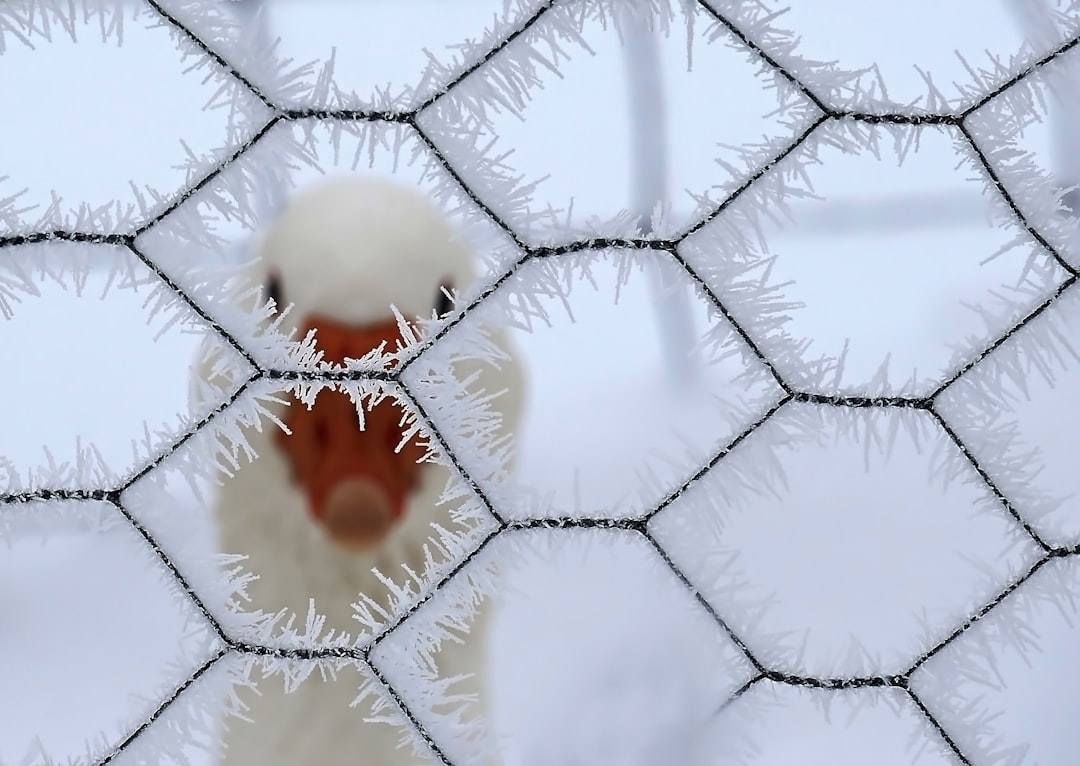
(444,304)
(273,291)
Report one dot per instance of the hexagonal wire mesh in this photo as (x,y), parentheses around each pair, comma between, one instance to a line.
(885,538)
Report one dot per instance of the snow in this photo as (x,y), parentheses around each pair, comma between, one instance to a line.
(601,656)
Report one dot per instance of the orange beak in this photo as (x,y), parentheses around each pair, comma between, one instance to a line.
(356,484)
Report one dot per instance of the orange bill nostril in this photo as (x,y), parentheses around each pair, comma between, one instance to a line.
(344,470)
(322,434)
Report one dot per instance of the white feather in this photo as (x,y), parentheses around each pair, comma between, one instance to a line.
(346,250)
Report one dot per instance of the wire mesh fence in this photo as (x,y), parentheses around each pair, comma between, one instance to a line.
(736,506)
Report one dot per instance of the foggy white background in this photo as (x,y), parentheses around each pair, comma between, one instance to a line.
(886,259)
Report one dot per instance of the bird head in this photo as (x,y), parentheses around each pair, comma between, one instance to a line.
(341,254)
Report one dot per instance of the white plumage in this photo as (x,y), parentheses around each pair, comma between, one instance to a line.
(341,253)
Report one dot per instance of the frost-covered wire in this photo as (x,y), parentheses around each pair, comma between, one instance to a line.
(251,364)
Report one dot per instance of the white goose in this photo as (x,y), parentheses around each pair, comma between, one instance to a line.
(319,509)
